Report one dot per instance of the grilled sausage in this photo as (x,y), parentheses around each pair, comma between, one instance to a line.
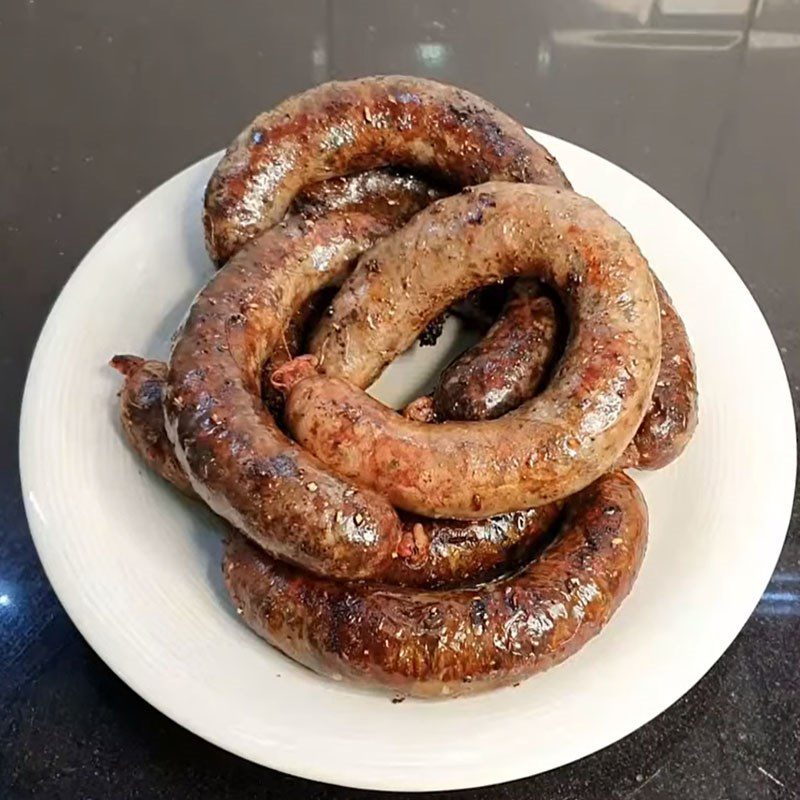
(142,417)
(437,552)
(430,643)
(344,127)
(509,364)
(233,452)
(548,448)
(236,457)
(671,417)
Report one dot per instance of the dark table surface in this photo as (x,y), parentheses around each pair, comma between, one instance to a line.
(101,101)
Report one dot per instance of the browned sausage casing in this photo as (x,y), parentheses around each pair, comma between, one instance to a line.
(141,401)
(548,448)
(507,366)
(236,457)
(344,127)
(671,417)
(438,552)
(234,454)
(430,643)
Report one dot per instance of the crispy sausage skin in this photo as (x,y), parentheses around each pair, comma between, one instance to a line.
(437,552)
(671,417)
(507,366)
(432,643)
(548,448)
(141,401)
(236,457)
(233,452)
(340,128)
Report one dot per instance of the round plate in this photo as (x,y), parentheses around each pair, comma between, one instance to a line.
(137,567)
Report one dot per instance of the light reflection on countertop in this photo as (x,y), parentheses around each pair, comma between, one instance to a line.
(782,597)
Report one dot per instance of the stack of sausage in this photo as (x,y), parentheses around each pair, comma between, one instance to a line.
(487,532)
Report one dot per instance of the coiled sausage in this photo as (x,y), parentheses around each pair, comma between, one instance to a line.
(548,448)
(343,127)
(430,643)
(509,364)
(234,454)
(437,552)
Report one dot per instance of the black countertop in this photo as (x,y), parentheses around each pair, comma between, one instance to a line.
(101,101)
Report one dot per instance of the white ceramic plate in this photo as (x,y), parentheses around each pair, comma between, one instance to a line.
(137,567)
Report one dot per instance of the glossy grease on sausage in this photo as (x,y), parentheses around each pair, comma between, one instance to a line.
(340,128)
(235,455)
(432,643)
(387,192)
(506,367)
(436,552)
(549,447)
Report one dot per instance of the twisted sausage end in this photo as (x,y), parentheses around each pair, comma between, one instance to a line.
(292,372)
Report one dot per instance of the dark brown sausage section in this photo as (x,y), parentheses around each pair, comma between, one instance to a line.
(142,415)
(236,457)
(346,127)
(507,366)
(671,418)
(388,193)
(448,552)
(436,552)
(494,376)
(430,643)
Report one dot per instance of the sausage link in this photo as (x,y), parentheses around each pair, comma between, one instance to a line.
(232,450)
(141,401)
(236,457)
(430,643)
(343,127)
(548,448)
(437,552)
(507,366)
(671,417)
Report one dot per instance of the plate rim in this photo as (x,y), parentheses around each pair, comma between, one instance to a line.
(307,768)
